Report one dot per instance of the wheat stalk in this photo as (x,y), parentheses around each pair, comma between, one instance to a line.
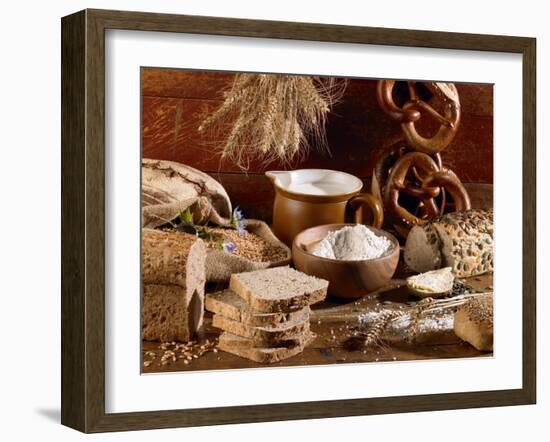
(428,306)
(377,329)
(273,117)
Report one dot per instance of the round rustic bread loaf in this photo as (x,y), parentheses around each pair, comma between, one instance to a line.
(168,187)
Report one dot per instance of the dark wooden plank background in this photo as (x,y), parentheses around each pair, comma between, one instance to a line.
(175,101)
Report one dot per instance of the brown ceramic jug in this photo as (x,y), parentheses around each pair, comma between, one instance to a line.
(310,197)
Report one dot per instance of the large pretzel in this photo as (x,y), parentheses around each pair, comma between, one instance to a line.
(432,178)
(447,179)
(413,109)
(384,166)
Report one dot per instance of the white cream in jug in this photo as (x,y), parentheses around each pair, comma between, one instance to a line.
(318,188)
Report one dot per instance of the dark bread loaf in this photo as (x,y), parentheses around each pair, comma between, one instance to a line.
(173,278)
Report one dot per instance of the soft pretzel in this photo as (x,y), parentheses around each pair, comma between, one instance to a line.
(447,179)
(396,183)
(433,182)
(414,108)
(445,133)
(384,95)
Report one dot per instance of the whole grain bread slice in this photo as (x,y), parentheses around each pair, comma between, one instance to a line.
(245,348)
(227,303)
(267,335)
(279,289)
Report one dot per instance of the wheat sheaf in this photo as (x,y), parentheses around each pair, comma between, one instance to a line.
(271,117)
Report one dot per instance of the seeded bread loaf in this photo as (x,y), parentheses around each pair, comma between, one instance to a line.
(279,289)
(473,322)
(464,243)
(173,278)
(230,305)
(245,348)
(266,335)
(433,284)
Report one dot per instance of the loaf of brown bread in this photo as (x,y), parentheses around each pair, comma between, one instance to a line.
(460,240)
(473,322)
(173,278)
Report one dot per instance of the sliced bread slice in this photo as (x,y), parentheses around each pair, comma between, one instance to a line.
(279,289)
(433,284)
(227,303)
(265,335)
(245,348)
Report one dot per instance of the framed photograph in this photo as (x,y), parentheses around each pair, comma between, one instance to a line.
(267,221)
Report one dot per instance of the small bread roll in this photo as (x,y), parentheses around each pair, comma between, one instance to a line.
(433,284)
(473,322)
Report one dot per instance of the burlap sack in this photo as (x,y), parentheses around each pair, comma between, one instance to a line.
(168,187)
(220,265)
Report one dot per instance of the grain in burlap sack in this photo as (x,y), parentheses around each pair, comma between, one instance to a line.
(220,265)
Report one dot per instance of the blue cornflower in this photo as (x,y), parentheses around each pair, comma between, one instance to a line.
(228,246)
(238,221)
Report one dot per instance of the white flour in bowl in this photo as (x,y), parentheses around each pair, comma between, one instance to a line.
(355,243)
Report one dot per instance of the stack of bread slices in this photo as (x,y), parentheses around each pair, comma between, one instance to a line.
(264,314)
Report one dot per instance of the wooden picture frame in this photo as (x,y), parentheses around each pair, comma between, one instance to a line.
(83,216)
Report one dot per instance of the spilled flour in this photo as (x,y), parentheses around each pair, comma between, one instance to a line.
(355,243)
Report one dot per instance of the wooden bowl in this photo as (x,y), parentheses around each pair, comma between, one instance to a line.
(347,279)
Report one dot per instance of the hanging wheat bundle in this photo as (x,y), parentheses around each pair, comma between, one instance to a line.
(273,117)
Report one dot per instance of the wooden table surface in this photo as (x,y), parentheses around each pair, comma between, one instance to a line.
(332,322)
